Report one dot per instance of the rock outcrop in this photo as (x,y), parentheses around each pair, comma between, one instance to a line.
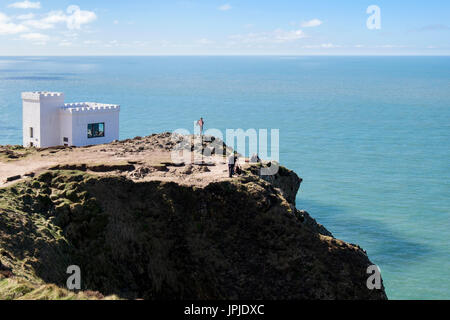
(237,238)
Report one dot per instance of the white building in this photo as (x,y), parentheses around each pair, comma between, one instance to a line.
(49,122)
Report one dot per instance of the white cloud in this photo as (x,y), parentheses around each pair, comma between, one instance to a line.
(311,23)
(79,17)
(140,43)
(74,20)
(25,5)
(70,34)
(389,46)
(4,18)
(29,25)
(287,36)
(39,37)
(116,22)
(7,27)
(38,24)
(54,17)
(225,7)
(90,42)
(276,36)
(329,45)
(25,16)
(321,46)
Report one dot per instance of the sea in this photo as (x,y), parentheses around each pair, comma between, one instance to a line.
(370,136)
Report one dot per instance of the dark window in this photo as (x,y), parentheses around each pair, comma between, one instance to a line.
(31,133)
(96,130)
(66,139)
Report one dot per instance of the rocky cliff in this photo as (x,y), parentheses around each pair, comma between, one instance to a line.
(137,236)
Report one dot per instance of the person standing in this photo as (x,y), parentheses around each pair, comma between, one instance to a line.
(201,123)
(231,163)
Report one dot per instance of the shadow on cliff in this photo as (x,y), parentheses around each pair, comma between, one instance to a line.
(384,245)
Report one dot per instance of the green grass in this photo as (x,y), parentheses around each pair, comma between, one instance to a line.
(20,289)
(14,153)
(19,216)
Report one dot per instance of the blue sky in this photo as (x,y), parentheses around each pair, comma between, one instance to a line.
(222,27)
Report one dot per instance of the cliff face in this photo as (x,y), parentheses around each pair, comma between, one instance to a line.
(238,238)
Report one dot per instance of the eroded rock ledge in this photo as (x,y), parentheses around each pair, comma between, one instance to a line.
(237,238)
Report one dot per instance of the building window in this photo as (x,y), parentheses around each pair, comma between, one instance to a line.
(31,133)
(66,139)
(96,130)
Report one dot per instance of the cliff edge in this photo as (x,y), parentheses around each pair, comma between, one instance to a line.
(142,227)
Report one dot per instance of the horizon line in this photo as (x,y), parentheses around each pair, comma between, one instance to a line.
(237,55)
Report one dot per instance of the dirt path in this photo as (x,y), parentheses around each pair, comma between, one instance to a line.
(140,159)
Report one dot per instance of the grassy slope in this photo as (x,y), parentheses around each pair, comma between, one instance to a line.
(30,241)
(11,153)
(20,289)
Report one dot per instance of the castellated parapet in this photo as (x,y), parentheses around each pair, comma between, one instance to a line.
(89,107)
(38,95)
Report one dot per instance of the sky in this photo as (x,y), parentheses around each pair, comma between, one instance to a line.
(224,27)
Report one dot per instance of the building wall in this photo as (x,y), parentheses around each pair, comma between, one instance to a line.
(41,112)
(31,119)
(80,121)
(66,128)
(50,120)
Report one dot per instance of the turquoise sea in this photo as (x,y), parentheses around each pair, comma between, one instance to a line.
(370,136)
